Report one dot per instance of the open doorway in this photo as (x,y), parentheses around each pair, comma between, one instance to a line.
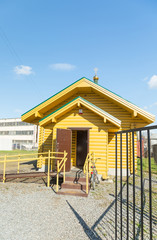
(81,147)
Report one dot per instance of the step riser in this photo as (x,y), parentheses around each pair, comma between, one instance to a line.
(69,187)
(72,179)
(74,186)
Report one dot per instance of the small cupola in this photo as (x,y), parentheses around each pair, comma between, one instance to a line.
(95,78)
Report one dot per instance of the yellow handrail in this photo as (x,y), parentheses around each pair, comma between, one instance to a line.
(30,154)
(39,157)
(28,159)
(87,168)
(61,165)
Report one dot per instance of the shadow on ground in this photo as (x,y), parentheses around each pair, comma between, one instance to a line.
(104,226)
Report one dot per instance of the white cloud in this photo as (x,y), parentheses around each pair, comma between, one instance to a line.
(62,66)
(23,70)
(145,107)
(153,82)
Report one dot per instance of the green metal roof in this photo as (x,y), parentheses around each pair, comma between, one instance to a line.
(53,95)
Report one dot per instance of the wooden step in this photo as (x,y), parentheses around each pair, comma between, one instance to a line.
(72,192)
(72,179)
(71,185)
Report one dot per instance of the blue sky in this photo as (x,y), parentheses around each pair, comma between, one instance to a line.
(47,45)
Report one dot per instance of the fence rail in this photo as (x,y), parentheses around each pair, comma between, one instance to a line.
(51,159)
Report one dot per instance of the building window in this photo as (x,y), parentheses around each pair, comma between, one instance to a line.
(22,142)
(16,132)
(11,124)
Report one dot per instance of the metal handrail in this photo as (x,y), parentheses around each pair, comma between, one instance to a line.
(30,154)
(87,168)
(61,165)
(39,157)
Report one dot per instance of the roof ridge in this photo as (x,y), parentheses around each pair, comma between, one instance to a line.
(110,93)
(55,94)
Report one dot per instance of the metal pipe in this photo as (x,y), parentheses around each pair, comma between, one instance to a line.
(141,170)
(138,129)
(150,185)
(133,159)
(127,173)
(87,181)
(116,187)
(121,213)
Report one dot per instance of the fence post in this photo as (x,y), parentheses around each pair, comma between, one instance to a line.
(18,168)
(116,165)
(150,185)
(5,158)
(48,172)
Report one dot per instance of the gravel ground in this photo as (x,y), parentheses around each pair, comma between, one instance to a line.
(33,211)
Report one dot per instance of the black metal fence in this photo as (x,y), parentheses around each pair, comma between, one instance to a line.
(136,184)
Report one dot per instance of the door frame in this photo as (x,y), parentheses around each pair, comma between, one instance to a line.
(82,129)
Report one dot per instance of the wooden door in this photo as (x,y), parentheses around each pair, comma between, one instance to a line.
(63,143)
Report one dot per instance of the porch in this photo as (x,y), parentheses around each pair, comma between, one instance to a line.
(74,182)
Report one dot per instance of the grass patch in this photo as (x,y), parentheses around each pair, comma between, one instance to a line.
(13,166)
(146,165)
(16,152)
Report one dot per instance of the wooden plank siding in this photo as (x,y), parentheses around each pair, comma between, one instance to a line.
(107,106)
(97,132)
(101,135)
(41,140)
(111,151)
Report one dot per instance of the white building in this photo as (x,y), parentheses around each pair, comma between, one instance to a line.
(15,134)
(154,138)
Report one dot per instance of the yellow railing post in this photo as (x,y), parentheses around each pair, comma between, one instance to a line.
(5,158)
(64,166)
(51,162)
(57,175)
(18,167)
(48,172)
(87,180)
